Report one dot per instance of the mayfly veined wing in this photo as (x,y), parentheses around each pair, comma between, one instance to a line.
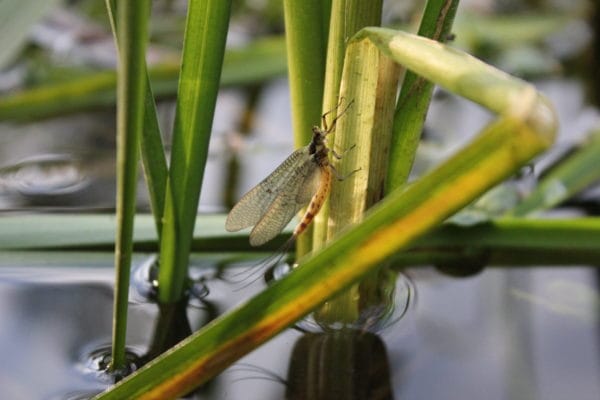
(303,178)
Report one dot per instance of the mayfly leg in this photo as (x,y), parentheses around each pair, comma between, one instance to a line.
(340,156)
(327,130)
(261,267)
(345,176)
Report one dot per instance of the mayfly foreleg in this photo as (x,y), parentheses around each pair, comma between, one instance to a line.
(339,156)
(329,129)
(324,116)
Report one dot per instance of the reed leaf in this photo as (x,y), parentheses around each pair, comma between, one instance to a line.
(203,50)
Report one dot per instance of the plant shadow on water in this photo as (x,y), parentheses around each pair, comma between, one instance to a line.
(495,335)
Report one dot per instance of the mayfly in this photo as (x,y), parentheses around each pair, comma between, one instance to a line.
(303,178)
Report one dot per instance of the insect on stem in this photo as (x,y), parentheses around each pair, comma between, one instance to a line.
(303,178)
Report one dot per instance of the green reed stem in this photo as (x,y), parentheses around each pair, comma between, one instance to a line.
(132,33)
(203,49)
(154,159)
(415,97)
(347,18)
(306,41)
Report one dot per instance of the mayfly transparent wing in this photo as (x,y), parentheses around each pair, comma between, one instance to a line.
(253,205)
(309,186)
(293,196)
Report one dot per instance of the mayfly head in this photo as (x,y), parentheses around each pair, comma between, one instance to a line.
(318,140)
(318,133)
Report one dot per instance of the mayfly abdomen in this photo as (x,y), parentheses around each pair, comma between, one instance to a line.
(316,201)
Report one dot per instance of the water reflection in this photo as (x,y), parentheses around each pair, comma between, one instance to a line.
(377,312)
(173,323)
(347,364)
(498,334)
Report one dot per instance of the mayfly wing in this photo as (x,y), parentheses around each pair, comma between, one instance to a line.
(287,203)
(308,188)
(253,205)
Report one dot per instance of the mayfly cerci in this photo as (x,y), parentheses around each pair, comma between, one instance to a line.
(303,178)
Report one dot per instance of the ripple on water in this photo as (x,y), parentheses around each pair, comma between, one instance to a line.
(44,176)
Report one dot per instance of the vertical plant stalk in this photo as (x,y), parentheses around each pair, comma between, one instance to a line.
(152,149)
(306,43)
(415,97)
(203,49)
(347,18)
(371,86)
(370,79)
(132,20)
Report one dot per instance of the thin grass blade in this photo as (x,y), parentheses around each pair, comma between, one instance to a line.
(204,47)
